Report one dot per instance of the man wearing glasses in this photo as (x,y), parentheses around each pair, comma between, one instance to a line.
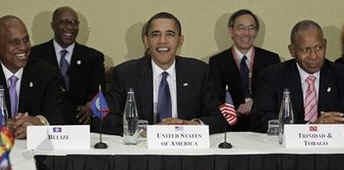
(239,65)
(81,67)
(315,84)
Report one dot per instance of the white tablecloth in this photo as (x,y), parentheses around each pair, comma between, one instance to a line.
(243,143)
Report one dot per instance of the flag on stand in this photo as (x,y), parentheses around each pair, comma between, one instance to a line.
(227,109)
(6,144)
(99,105)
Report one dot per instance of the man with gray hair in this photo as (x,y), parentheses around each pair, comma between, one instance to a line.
(316,84)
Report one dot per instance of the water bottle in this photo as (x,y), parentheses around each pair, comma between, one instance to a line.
(130,119)
(286,114)
(3,108)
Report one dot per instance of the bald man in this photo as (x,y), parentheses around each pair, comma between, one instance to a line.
(32,90)
(81,67)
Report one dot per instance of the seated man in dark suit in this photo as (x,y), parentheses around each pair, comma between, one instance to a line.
(239,65)
(81,67)
(189,97)
(315,84)
(32,92)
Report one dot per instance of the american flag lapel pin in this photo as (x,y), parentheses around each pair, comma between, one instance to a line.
(328,89)
(78,62)
(30,84)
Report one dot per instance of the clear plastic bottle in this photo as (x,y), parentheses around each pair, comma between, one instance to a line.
(130,119)
(286,114)
(3,108)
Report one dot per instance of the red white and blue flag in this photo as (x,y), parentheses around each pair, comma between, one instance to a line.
(99,105)
(227,109)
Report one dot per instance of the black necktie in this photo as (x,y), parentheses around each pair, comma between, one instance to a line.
(64,65)
(164,107)
(244,76)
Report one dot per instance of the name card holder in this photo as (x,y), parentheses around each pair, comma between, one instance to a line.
(76,137)
(178,136)
(314,136)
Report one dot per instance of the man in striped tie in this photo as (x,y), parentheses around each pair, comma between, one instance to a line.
(316,84)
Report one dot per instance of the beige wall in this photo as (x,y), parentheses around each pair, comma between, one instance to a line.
(114,26)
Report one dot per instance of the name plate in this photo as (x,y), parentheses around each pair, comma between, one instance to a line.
(314,136)
(178,136)
(76,137)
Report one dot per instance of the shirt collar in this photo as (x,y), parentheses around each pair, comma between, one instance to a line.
(58,47)
(240,55)
(157,70)
(8,73)
(304,74)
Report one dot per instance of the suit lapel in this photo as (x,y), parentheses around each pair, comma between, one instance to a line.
(4,85)
(144,88)
(26,86)
(74,70)
(179,85)
(51,57)
(325,88)
(294,83)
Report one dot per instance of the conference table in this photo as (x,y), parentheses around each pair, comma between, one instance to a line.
(250,151)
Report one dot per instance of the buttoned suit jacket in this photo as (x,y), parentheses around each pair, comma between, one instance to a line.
(40,92)
(276,78)
(86,71)
(195,98)
(224,71)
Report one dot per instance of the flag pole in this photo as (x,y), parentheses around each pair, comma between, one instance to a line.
(100,144)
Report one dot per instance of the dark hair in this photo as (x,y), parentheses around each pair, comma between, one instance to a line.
(59,10)
(239,13)
(303,26)
(165,15)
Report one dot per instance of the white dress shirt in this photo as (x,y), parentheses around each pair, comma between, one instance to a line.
(8,74)
(58,50)
(240,55)
(303,77)
(171,79)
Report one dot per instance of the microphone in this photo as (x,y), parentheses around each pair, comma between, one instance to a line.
(225,144)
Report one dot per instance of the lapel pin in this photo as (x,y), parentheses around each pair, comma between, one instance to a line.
(30,84)
(329,89)
(78,62)
(185,84)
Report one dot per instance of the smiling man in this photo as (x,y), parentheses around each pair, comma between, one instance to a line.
(81,67)
(315,83)
(32,90)
(169,89)
(239,66)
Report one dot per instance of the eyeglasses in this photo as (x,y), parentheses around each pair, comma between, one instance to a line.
(66,22)
(249,28)
(308,50)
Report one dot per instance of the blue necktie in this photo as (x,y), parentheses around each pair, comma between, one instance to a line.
(164,107)
(64,65)
(244,77)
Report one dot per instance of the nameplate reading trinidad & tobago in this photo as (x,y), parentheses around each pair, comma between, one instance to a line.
(178,136)
(314,136)
(76,137)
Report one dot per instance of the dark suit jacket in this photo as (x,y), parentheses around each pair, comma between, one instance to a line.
(86,71)
(40,93)
(224,70)
(193,101)
(340,60)
(286,75)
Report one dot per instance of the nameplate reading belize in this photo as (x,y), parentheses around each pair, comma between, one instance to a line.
(76,137)
(314,136)
(178,136)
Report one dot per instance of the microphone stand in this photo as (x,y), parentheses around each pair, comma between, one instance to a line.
(225,144)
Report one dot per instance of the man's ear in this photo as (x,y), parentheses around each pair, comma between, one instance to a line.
(181,41)
(292,51)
